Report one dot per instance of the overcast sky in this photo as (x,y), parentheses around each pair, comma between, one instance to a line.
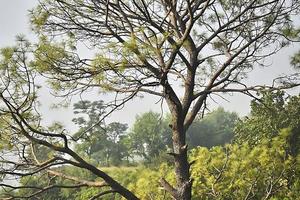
(14,20)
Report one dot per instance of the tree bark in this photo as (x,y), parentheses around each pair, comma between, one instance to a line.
(183,188)
(182,167)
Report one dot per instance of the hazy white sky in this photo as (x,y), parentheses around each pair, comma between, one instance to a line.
(14,20)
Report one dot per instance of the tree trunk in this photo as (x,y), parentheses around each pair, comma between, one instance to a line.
(182,166)
(183,190)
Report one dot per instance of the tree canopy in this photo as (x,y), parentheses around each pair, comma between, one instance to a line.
(185,52)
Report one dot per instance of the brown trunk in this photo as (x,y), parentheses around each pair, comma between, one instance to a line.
(183,188)
(182,166)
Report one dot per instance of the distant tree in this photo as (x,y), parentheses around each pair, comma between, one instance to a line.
(214,129)
(150,135)
(102,143)
(141,46)
(118,135)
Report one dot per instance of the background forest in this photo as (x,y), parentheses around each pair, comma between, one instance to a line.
(186,55)
(228,162)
